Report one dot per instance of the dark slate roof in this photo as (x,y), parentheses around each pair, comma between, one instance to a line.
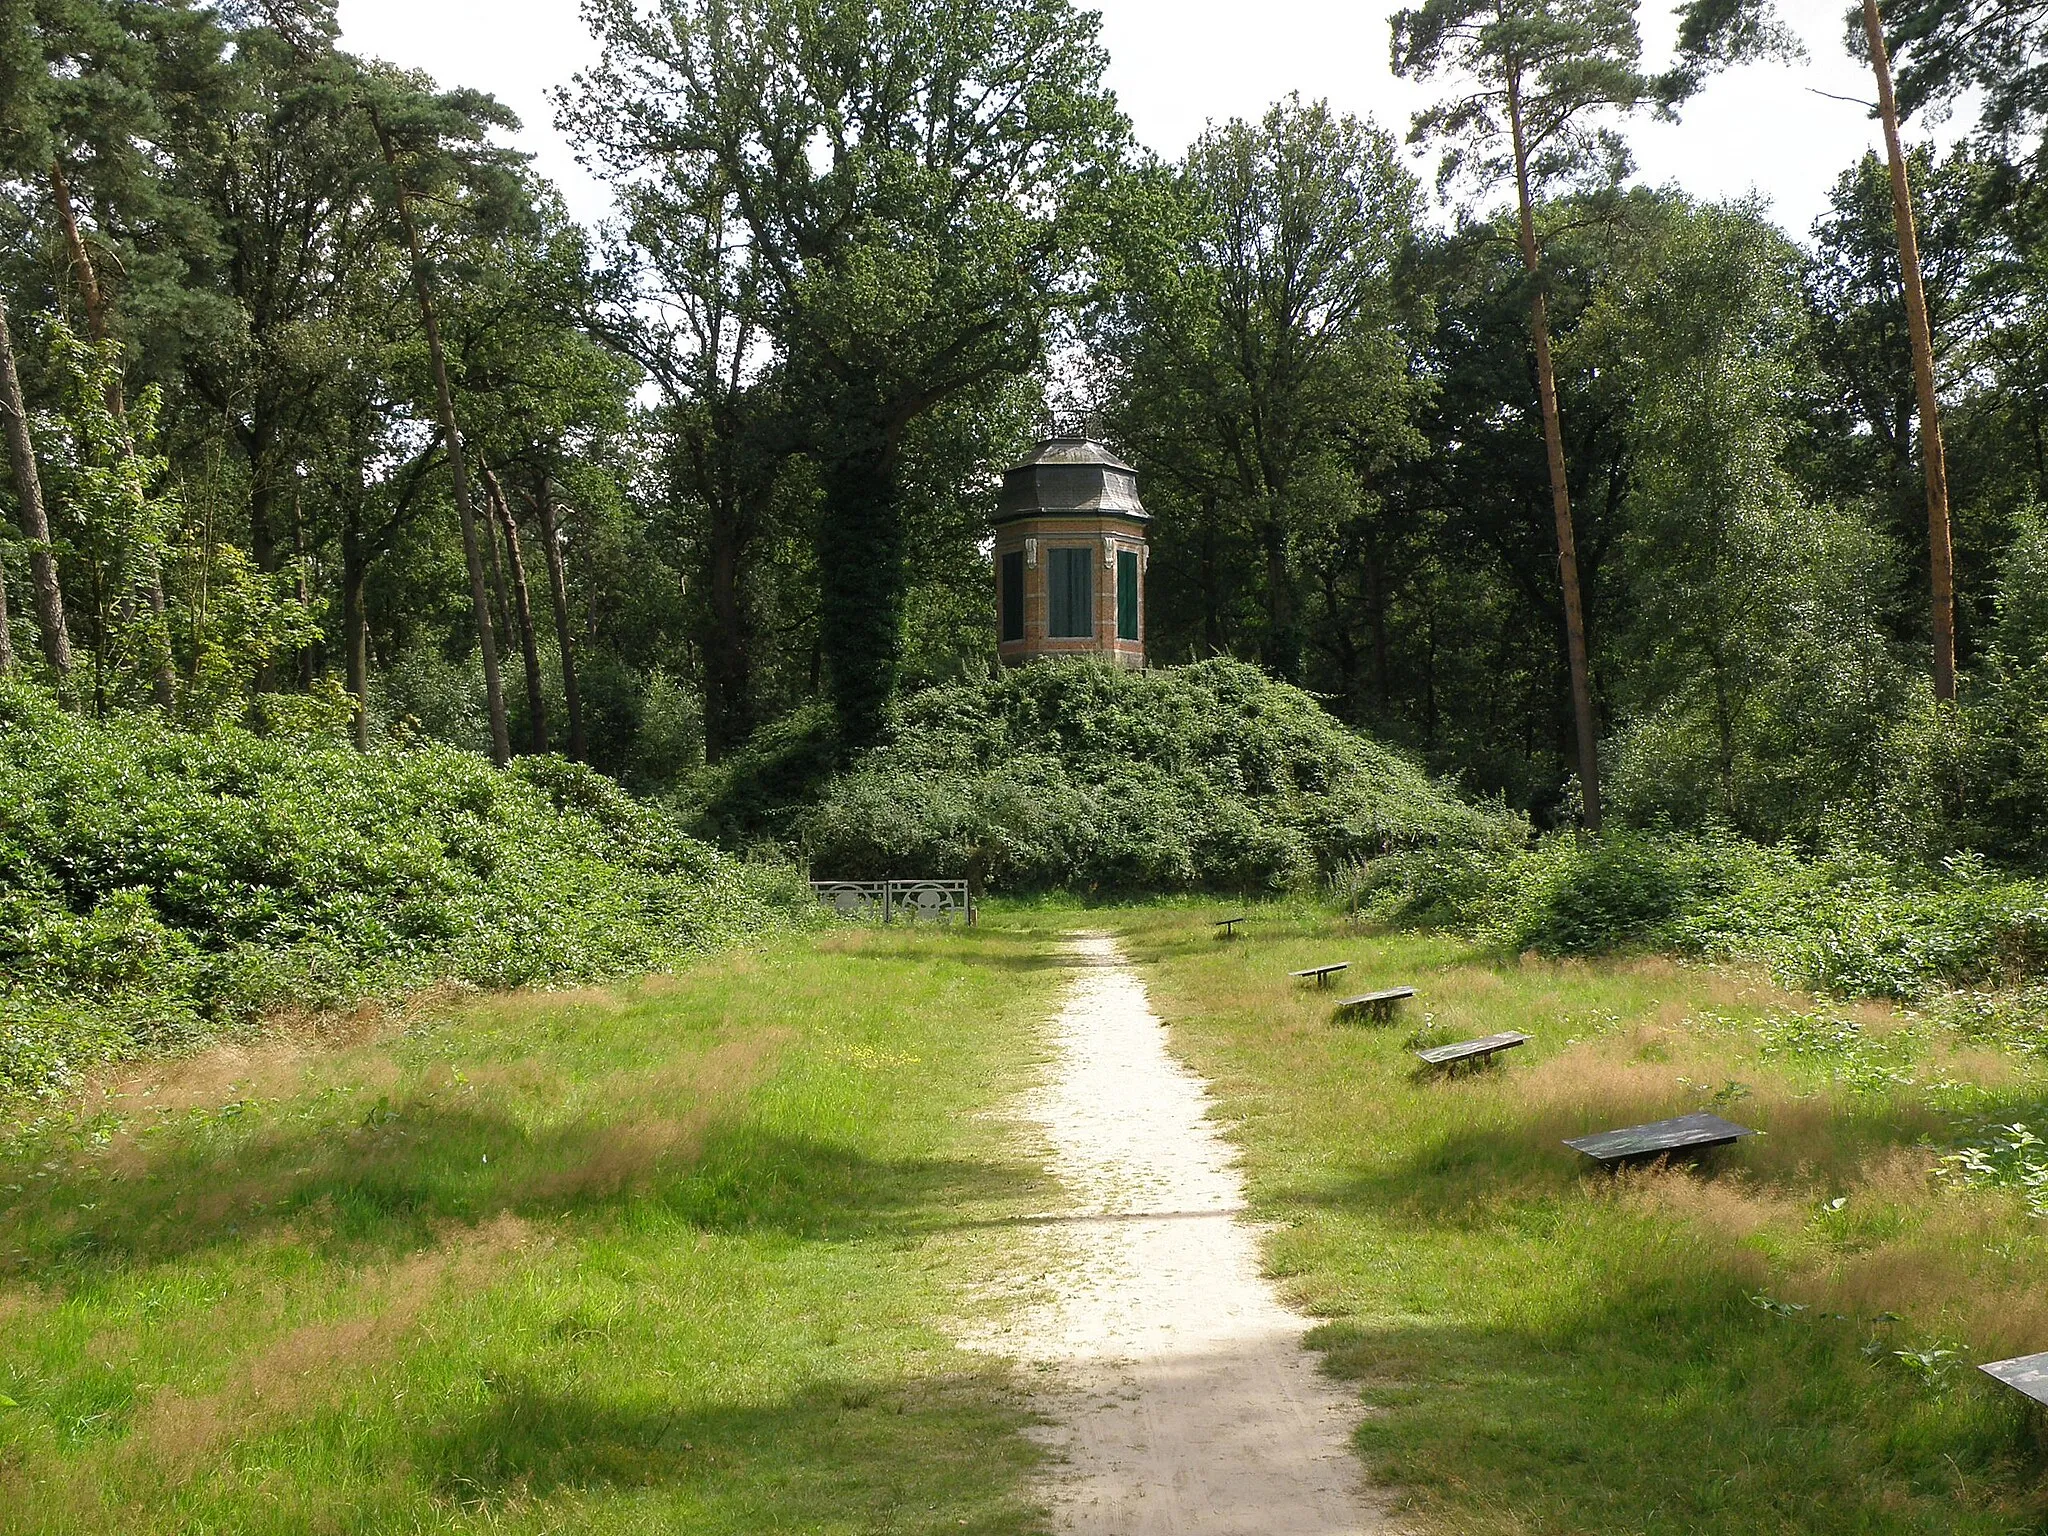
(1070,477)
(1071,450)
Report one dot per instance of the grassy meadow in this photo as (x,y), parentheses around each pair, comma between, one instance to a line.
(1781,1341)
(671,1256)
(688,1254)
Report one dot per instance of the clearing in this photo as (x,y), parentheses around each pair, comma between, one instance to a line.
(697,1254)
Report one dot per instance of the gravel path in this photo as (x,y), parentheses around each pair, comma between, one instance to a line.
(1181,1398)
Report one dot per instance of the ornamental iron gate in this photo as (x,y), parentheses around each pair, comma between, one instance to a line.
(938,901)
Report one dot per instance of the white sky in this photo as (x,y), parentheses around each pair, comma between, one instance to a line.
(1176,64)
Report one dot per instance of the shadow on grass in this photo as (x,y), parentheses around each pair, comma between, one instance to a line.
(387,1184)
(1460,1176)
(1010,949)
(1675,1404)
(531,1440)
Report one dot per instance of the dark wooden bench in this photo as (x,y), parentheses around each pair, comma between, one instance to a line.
(1228,925)
(1659,1138)
(1379,1004)
(1322,973)
(1470,1052)
(2025,1374)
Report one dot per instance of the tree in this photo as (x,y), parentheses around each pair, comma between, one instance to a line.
(1709,332)
(35,523)
(121,517)
(1999,47)
(1544,80)
(1479,671)
(1267,353)
(558,596)
(1940,542)
(428,126)
(92,114)
(914,177)
(522,607)
(687,301)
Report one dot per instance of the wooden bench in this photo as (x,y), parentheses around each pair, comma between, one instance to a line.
(1322,973)
(1228,925)
(1379,1004)
(2025,1374)
(1470,1052)
(1659,1138)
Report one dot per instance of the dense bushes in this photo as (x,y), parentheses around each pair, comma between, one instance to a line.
(1085,776)
(1850,922)
(156,884)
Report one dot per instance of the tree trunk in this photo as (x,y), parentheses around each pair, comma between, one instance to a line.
(558,593)
(1376,598)
(861,556)
(89,289)
(1941,548)
(444,400)
(6,631)
(164,685)
(1560,490)
(501,607)
(355,626)
(728,659)
(302,584)
(35,522)
(1212,582)
(522,602)
(1283,642)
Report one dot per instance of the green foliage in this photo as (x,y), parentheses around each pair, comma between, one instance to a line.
(2002,1157)
(756,795)
(1268,360)
(1850,922)
(162,884)
(917,180)
(113,511)
(1081,775)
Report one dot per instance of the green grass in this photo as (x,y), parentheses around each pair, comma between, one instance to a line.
(1780,1342)
(668,1257)
(684,1256)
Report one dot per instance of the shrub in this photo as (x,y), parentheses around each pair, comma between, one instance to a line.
(1079,774)
(1849,922)
(161,884)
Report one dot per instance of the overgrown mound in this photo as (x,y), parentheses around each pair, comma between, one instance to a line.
(157,884)
(1086,776)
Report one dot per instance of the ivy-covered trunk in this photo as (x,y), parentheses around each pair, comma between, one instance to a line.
(862,551)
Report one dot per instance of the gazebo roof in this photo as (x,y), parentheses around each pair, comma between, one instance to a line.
(1071,450)
(1070,477)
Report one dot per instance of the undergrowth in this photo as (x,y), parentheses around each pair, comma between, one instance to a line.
(158,885)
(1851,923)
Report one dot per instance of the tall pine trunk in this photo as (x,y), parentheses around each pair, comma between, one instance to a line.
(1560,489)
(355,624)
(558,593)
(35,522)
(302,584)
(458,473)
(522,606)
(1940,540)
(6,630)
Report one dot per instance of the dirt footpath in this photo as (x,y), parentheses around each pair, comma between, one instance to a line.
(1181,1397)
